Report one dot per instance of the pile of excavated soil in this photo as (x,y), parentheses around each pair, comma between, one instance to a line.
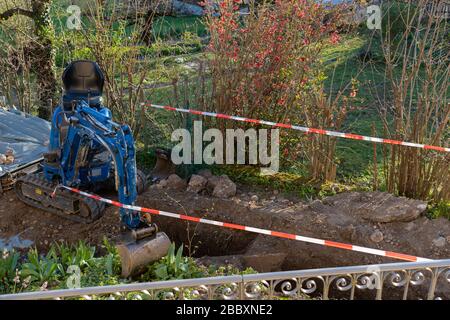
(352,218)
(42,228)
(375,220)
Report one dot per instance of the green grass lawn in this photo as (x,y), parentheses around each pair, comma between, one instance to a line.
(163,27)
(172,27)
(343,63)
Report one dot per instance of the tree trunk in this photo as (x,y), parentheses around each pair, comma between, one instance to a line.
(40,53)
(43,57)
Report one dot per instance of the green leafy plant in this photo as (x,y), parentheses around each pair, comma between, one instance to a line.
(81,255)
(174,266)
(101,273)
(40,268)
(8,266)
(437,210)
(104,270)
(112,259)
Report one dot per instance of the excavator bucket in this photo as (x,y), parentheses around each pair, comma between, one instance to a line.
(137,255)
(164,166)
(142,247)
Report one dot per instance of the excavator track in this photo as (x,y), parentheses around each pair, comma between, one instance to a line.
(34,190)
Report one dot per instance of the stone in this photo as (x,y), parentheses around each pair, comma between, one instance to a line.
(264,262)
(440,242)
(9,152)
(377,236)
(206,173)
(254,198)
(161,184)
(224,187)
(409,226)
(179,60)
(176,183)
(349,232)
(252,206)
(197,183)
(382,207)
(422,207)
(212,182)
(9,160)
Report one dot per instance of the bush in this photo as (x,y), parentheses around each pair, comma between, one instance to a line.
(416,108)
(267,66)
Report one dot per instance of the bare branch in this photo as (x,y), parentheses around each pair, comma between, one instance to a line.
(14,11)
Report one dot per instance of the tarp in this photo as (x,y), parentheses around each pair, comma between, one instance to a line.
(27,135)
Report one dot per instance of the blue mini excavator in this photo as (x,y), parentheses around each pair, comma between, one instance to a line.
(89,151)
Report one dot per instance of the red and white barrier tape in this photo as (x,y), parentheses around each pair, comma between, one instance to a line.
(305,129)
(326,243)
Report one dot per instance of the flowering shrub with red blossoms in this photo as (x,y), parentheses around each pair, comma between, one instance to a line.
(266,65)
(263,60)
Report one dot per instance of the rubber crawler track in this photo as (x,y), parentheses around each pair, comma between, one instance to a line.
(37,180)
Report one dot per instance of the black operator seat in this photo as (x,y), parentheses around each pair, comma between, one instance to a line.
(83,77)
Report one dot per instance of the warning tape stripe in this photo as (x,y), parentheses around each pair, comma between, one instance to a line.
(278,234)
(304,129)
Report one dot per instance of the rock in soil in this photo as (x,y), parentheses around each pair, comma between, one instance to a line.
(197,183)
(212,182)
(379,207)
(224,188)
(161,184)
(176,183)
(386,208)
(377,236)
(440,242)
(7,160)
(264,262)
(205,173)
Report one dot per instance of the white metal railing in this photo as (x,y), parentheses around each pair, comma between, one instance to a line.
(419,280)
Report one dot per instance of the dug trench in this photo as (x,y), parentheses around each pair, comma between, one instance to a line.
(376,220)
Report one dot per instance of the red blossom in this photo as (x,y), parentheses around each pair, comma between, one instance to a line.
(335,38)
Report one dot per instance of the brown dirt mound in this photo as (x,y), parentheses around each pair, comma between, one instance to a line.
(341,218)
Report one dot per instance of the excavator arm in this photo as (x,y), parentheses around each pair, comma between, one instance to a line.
(88,128)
